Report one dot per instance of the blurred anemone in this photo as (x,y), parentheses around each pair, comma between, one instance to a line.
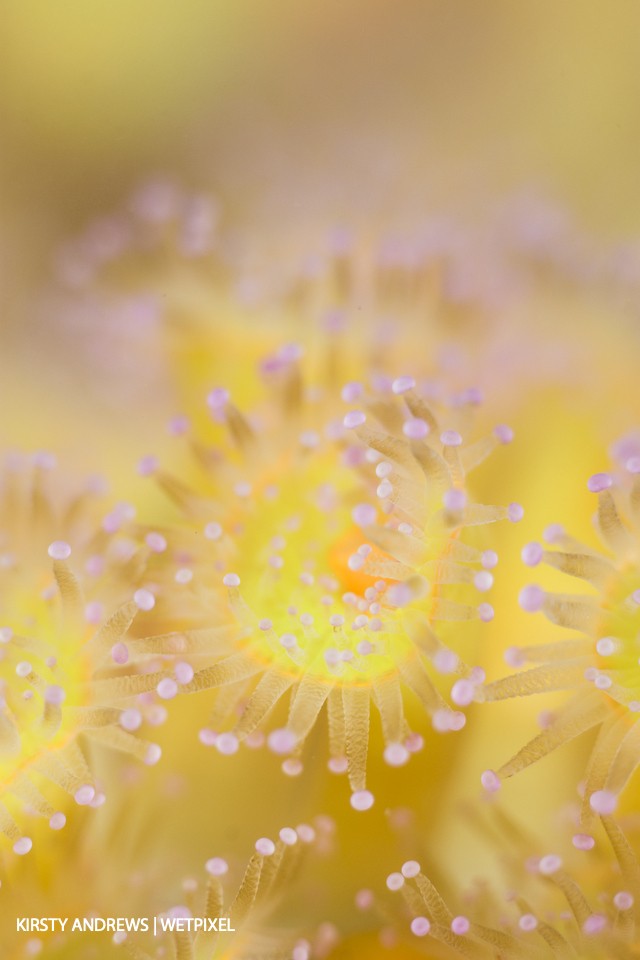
(249,927)
(581,904)
(137,908)
(146,296)
(601,662)
(74,592)
(328,541)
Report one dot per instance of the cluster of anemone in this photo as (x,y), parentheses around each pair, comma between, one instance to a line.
(599,660)
(144,291)
(329,560)
(74,594)
(246,928)
(329,539)
(239,922)
(584,904)
(461,263)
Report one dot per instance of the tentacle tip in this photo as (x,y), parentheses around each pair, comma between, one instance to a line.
(415,428)
(532,598)
(490,781)
(178,425)
(353,419)
(403,385)
(288,836)
(231,580)
(216,867)
(486,612)
(364,899)
(598,482)
(623,900)
(362,800)
(22,846)
(84,795)
(207,737)
(503,433)
(514,657)
(265,847)
(148,465)
(583,841)
(395,881)
(292,767)
(59,550)
(454,500)
(217,400)
(227,744)
(594,924)
(463,692)
(553,533)
(532,554)
(144,599)
(352,391)
(281,741)
(483,581)
(420,926)
(515,512)
(55,695)
(489,559)
(549,864)
(603,802)
(450,438)
(396,755)
(153,754)
(167,688)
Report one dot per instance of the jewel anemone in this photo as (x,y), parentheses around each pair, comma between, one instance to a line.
(581,904)
(599,662)
(247,916)
(329,541)
(68,603)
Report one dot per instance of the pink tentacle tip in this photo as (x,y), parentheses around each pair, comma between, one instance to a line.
(217,399)
(532,554)
(503,433)
(216,867)
(396,754)
(22,846)
(362,800)
(486,612)
(148,465)
(603,802)
(353,419)
(594,924)
(420,926)
(59,550)
(549,864)
(515,512)
(403,385)
(490,781)
(415,428)
(144,599)
(599,482)
(583,841)
(532,598)
(281,741)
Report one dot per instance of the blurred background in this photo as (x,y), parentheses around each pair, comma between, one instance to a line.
(311,109)
(297,117)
